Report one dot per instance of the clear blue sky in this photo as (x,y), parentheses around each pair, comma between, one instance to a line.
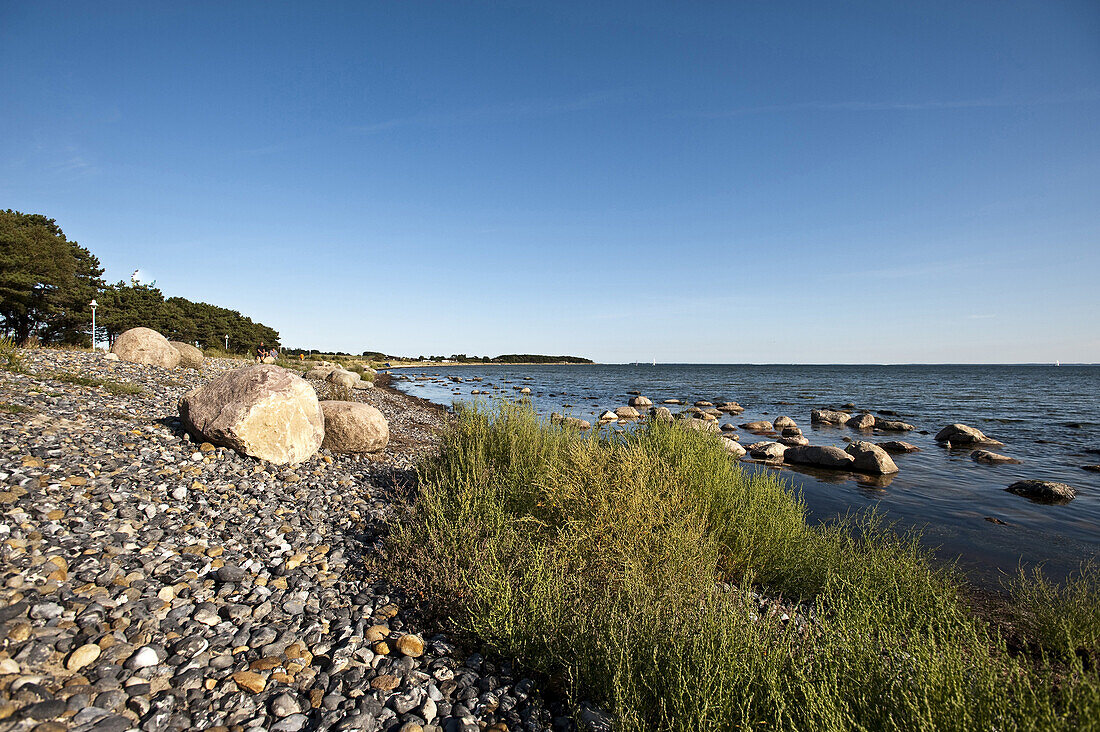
(710,182)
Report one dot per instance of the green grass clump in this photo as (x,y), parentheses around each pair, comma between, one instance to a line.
(624,568)
(11,359)
(1064,619)
(15,408)
(114,387)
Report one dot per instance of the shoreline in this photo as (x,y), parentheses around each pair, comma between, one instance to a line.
(146,577)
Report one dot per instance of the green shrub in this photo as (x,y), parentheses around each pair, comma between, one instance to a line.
(624,568)
(1063,619)
(11,359)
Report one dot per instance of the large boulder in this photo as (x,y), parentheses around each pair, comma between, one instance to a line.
(354,427)
(262,411)
(190,357)
(319,372)
(661,414)
(961,434)
(828,416)
(870,458)
(819,456)
(640,401)
(1043,491)
(145,345)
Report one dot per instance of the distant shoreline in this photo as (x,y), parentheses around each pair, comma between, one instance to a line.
(492,363)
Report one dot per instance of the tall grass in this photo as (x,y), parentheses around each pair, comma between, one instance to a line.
(623,567)
(11,358)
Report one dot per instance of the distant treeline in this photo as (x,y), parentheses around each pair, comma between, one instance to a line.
(47,284)
(453,358)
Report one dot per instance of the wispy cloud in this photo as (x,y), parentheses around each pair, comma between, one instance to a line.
(495,113)
(1090,95)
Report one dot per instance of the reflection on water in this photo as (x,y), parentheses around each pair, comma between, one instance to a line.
(1047,417)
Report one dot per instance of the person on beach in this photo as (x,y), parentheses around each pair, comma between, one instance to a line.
(261,351)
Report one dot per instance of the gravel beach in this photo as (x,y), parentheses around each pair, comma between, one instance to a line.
(151,582)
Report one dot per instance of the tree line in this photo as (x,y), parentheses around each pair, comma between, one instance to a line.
(47,283)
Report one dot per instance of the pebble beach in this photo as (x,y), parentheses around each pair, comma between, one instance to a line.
(151,581)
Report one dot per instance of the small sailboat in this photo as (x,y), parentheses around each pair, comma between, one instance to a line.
(1057,363)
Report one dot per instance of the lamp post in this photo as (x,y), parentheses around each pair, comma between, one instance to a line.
(94,305)
(227,344)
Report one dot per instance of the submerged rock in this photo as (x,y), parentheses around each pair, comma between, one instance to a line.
(991,458)
(893,425)
(1043,491)
(898,447)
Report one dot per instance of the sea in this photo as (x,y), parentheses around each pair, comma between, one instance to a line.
(1047,416)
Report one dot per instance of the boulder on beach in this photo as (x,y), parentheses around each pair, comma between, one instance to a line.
(861,421)
(961,434)
(893,425)
(828,416)
(352,427)
(991,458)
(340,377)
(609,416)
(269,360)
(758,426)
(263,411)
(145,345)
(819,456)
(640,401)
(898,447)
(322,372)
(190,357)
(870,458)
(627,413)
(1043,491)
(772,451)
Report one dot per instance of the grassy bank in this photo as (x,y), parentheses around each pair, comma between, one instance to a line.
(624,568)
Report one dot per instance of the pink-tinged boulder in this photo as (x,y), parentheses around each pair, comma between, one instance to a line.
(145,345)
(354,427)
(263,411)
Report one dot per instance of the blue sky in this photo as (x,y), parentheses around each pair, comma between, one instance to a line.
(711,182)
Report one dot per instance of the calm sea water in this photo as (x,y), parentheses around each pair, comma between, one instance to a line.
(1047,416)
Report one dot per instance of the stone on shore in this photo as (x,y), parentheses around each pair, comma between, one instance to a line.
(870,458)
(145,345)
(661,414)
(319,372)
(190,357)
(1043,491)
(353,427)
(733,447)
(700,425)
(991,458)
(819,456)
(609,416)
(262,411)
(961,434)
(340,377)
(828,416)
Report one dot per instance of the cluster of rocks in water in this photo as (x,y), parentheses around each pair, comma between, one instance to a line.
(789,446)
(153,579)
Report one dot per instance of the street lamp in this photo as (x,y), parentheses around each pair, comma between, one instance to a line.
(227,344)
(94,305)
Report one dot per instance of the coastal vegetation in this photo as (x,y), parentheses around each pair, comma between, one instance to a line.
(47,284)
(647,573)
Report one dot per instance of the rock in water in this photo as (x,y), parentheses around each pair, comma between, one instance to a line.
(661,414)
(899,447)
(354,427)
(640,401)
(761,426)
(733,448)
(190,357)
(823,457)
(960,434)
(861,421)
(991,458)
(870,458)
(783,422)
(767,451)
(263,411)
(627,413)
(144,345)
(828,416)
(1043,491)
